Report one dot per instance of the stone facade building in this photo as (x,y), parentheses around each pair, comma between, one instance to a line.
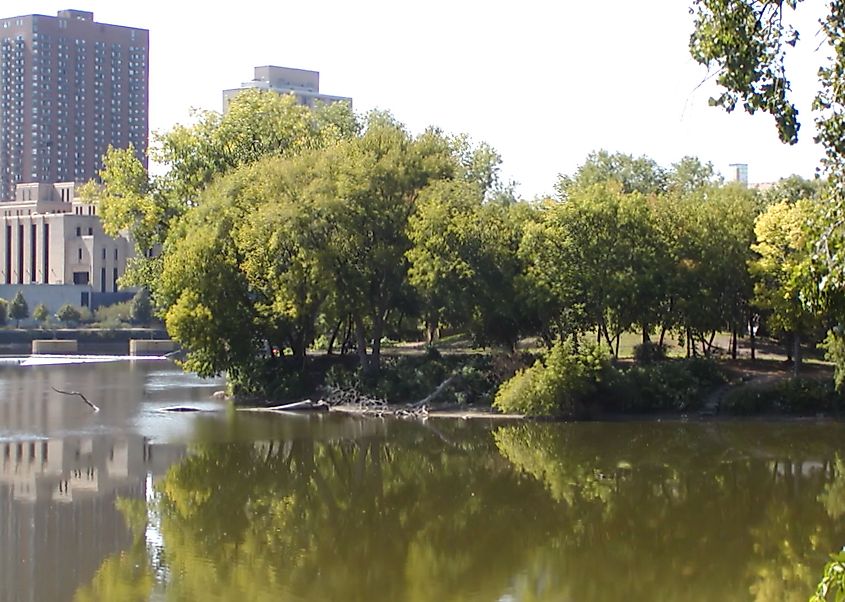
(53,245)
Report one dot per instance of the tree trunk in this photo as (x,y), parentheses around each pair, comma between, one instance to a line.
(347,336)
(361,344)
(753,340)
(431,330)
(606,334)
(662,334)
(378,331)
(646,338)
(333,338)
(733,341)
(796,354)
(616,347)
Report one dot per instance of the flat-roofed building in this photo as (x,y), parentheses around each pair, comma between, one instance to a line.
(69,88)
(50,239)
(303,84)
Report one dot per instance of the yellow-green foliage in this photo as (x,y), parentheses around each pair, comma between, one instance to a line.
(555,384)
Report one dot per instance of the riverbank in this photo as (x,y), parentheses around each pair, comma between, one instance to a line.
(463,385)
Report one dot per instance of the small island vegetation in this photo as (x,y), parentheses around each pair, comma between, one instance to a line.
(304,251)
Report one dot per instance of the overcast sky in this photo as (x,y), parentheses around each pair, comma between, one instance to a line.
(543,82)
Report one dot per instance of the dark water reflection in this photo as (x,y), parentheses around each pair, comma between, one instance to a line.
(139,505)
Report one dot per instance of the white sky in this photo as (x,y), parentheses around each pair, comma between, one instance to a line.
(543,82)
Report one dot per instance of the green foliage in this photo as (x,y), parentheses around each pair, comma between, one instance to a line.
(745,42)
(794,189)
(41,314)
(465,264)
(629,174)
(408,379)
(256,126)
(18,308)
(4,312)
(69,315)
(556,384)
(834,346)
(141,307)
(831,588)
(782,269)
(648,352)
(677,385)
(793,396)
(690,175)
(607,261)
(114,315)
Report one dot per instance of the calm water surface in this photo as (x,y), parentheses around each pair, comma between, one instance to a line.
(135,504)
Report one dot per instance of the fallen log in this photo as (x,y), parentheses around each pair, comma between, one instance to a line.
(81,396)
(297,406)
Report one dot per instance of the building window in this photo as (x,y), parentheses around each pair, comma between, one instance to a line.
(103,279)
(80,277)
(114,280)
(80,253)
(78,231)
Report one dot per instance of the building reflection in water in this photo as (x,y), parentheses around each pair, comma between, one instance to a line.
(58,519)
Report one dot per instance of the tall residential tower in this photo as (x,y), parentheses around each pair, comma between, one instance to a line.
(69,88)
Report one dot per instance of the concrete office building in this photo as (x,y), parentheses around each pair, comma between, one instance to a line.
(53,248)
(303,84)
(69,88)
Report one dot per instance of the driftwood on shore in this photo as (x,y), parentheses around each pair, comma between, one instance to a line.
(298,406)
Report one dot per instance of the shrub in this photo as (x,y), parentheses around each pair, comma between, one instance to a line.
(792,396)
(68,314)
(41,314)
(4,312)
(113,315)
(648,352)
(141,308)
(556,384)
(412,378)
(670,385)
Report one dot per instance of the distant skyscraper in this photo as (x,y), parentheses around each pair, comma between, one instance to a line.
(739,173)
(69,88)
(303,84)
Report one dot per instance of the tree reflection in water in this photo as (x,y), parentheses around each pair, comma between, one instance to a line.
(529,512)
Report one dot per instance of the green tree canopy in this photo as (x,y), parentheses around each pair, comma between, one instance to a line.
(18,308)
(41,314)
(632,174)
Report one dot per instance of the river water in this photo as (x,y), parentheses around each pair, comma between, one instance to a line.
(132,503)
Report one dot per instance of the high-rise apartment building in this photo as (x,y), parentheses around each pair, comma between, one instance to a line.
(69,88)
(303,84)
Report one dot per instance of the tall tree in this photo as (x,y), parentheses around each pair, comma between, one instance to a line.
(782,271)
(631,174)
(257,125)
(18,308)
